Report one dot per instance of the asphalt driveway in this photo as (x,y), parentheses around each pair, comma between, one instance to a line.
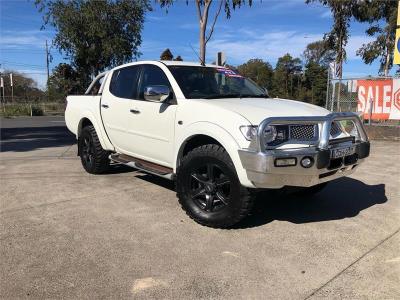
(68,234)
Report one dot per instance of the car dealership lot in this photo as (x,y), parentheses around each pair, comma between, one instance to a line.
(67,234)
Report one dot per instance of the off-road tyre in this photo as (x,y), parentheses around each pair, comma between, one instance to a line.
(95,160)
(238,200)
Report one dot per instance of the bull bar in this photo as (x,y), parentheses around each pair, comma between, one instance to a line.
(260,161)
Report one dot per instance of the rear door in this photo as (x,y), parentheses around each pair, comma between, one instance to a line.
(116,103)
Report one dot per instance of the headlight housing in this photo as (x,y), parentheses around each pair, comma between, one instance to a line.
(250,133)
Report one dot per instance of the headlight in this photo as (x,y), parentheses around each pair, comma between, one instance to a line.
(249,131)
(275,135)
(269,134)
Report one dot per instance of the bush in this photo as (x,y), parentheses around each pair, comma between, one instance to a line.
(13,110)
(37,110)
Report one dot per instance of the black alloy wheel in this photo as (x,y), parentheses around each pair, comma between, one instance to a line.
(210,187)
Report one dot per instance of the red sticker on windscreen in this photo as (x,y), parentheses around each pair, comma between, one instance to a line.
(228,72)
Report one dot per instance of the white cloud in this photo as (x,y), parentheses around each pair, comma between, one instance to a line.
(326,15)
(268,46)
(17,39)
(354,43)
(272,45)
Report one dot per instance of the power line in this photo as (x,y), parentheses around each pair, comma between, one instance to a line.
(23,50)
(21,64)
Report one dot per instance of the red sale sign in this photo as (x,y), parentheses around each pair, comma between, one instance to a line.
(380,96)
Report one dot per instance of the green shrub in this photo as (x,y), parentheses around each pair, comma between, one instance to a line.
(13,110)
(37,111)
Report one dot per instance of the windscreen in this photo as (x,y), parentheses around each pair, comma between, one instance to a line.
(210,82)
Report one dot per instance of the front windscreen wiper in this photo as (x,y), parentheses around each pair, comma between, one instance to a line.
(216,96)
(253,96)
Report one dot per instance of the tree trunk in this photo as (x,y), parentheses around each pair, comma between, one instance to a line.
(202,43)
(203,19)
(386,70)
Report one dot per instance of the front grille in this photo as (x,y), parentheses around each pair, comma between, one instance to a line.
(307,132)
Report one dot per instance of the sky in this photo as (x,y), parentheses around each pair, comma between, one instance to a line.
(266,30)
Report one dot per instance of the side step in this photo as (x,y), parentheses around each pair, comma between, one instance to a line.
(143,165)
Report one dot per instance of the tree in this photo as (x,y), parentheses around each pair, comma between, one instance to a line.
(287,73)
(166,55)
(178,58)
(319,53)
(24,88)
(95,34)
(337,38)
(63,81)
(376,12)
(259,71)
(315,78)
(203,10)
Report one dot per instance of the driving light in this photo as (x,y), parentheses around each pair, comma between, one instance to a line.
(285,162)
(307,162)
(249,131)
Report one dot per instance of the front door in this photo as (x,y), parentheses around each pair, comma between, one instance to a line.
(153,123)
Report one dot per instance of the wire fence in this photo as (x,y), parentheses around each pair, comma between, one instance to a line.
(374,98)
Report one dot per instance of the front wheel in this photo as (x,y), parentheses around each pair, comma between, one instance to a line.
(209,190)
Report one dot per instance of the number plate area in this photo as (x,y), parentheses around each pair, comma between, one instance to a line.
(342,152)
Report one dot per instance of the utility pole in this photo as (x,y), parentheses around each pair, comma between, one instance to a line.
(327,88)
(48,73)
(12,87)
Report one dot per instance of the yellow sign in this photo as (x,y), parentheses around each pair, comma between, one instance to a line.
(398,15)
(396,59)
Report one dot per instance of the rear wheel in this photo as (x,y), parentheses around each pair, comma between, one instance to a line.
(93,157)
(209,190)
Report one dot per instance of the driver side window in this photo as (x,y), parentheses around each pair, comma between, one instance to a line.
(152,75)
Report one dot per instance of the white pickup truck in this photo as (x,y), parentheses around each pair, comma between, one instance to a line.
(214,132)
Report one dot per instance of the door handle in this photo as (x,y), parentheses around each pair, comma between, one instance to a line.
(104,106)
(135,111)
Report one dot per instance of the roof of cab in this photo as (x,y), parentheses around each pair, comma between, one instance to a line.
(185,63)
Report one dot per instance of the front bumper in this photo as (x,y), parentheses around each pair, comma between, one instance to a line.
(262,171)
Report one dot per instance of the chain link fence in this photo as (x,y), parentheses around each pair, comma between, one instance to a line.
(342,95)
(374,98)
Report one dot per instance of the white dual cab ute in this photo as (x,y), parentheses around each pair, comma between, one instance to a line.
(214,132)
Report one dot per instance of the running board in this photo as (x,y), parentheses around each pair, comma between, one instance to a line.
(143,165)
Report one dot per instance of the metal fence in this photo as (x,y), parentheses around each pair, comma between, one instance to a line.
(343,93)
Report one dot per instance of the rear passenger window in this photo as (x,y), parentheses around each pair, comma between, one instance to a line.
(124,82)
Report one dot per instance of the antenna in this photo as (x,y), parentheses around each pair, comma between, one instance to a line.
(201,61)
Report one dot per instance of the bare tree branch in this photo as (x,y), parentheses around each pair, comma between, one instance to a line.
(207,4)
(199,11)
(215,20)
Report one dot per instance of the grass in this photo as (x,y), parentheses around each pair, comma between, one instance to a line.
(28,109)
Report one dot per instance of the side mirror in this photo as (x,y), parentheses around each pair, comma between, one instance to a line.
(266,91)
(156,93)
